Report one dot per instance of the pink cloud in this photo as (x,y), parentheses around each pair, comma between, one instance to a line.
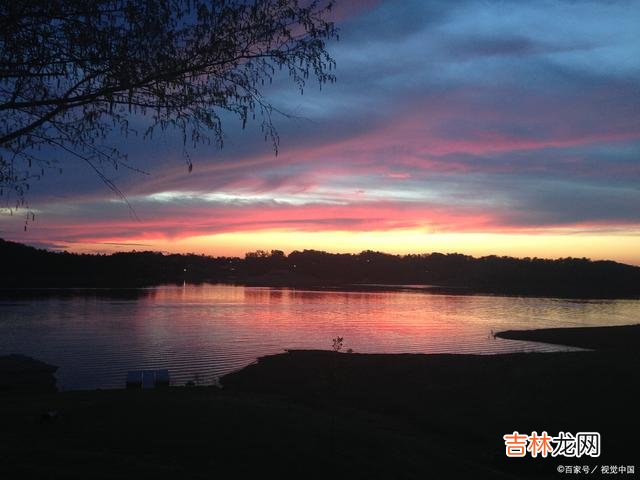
(170,222)
(425,137)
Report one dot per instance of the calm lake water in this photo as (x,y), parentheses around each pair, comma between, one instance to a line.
(200,332)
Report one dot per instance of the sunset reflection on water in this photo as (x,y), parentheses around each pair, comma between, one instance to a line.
(204,331)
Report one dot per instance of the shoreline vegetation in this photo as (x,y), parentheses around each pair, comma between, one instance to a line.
(310,414)
(29,268)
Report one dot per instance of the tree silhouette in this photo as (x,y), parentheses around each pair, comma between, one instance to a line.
(73,71)
(25,266)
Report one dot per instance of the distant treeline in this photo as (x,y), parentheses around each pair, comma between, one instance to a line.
(24,266)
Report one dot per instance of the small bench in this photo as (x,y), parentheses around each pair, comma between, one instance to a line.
(147,379)
(162,378)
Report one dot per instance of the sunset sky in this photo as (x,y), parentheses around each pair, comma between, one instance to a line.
(481,127)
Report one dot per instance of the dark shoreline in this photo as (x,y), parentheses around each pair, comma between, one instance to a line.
(452,272)
(614,338)
(309,414)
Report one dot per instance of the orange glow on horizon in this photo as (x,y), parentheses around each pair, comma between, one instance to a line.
(622,247)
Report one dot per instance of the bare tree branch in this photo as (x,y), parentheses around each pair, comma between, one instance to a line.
(72,71)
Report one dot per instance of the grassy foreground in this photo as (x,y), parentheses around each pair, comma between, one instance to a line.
(319,414)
